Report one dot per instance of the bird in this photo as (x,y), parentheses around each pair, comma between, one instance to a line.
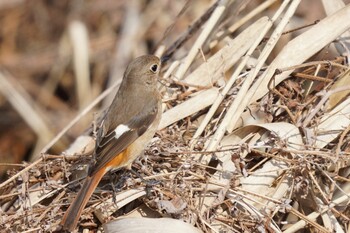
(128,125)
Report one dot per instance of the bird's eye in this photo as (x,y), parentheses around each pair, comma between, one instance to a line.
(154,68)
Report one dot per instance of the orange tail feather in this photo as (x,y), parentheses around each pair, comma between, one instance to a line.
(72,215)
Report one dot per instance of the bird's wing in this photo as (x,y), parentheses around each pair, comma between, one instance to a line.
(117,139)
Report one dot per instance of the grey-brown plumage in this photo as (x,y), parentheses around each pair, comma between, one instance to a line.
(129,124)
(140,103)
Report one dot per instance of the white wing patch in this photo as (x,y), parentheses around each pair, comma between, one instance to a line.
(120,130)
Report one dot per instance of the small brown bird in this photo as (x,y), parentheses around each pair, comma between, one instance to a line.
(129,124)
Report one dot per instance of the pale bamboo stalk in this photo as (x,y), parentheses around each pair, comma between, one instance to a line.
(312,217)
(22,103)
(189,107)
(213,69)
(264,27)
(250,15)
(330,7)
(172,67)
(241,97)
(247,83)
(126,45)
(212,22)
(243,20)
(303,47)
(80,44)
(235,112)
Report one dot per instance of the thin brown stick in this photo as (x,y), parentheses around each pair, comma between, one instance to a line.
(12,178)
(190,31)
(312,77)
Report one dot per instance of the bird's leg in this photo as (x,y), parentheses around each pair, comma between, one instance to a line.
(117,184)
(149,183)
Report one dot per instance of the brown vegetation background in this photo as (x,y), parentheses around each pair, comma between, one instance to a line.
(57,57)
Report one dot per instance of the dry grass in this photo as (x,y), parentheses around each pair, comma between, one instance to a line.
(255,130)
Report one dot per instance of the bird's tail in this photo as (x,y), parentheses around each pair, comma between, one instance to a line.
(72,215)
